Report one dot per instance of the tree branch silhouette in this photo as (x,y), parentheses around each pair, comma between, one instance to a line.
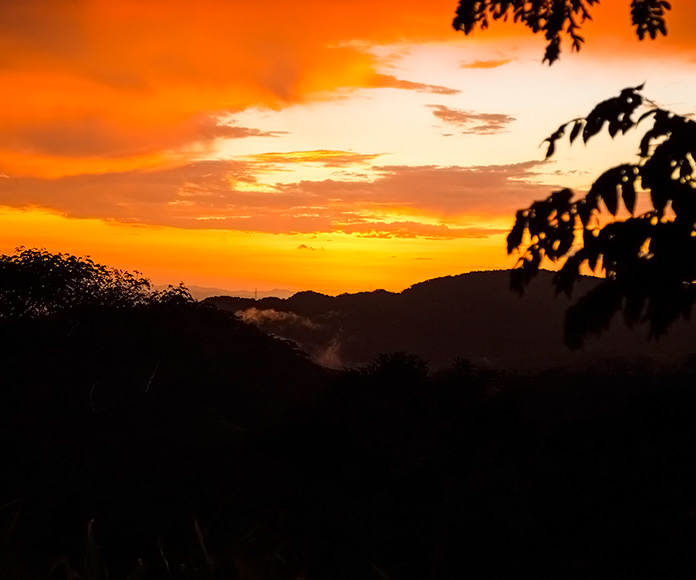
(554,17)
(648,259)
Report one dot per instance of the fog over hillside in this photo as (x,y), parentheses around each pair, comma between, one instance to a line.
(472,316)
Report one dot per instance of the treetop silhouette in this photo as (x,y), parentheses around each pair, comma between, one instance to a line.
(553,17)
(35,282)
(648,259)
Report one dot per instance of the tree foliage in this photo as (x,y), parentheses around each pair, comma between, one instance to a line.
(399,368)
(554,17)
(35,282)
(649,258)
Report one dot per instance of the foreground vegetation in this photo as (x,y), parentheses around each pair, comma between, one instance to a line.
(165,439)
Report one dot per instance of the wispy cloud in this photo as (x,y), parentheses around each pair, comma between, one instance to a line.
(414,229)
(326,158)
(471,122)
(487,63)
(399,202)
(382,81)
(446,191)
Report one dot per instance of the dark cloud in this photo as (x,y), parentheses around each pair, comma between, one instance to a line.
(479,123)
(93,136)
(35,27)
(130,196)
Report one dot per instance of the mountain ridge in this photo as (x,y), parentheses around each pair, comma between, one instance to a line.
(473,316)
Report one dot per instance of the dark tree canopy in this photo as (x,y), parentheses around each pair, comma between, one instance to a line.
(34,282)
(648,258)
(554,17)
(399,368)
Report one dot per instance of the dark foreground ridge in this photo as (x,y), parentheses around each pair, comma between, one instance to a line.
(473,316)
(165,439)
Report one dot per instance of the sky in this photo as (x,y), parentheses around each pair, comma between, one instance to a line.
(333,146)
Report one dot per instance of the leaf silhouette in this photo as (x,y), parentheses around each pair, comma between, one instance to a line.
(514,238)
(628,194)
(577,127)
(605,188)
(593,126)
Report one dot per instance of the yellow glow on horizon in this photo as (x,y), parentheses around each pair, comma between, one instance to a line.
(320,116)
(328,263)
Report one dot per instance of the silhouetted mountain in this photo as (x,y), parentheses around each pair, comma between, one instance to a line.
(473,316)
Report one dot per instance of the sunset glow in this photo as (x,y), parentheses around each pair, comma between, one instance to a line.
(332,146)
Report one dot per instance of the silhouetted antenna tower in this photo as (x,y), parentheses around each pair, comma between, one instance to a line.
(256,293)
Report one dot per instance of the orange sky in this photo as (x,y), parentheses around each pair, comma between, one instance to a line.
(333,146)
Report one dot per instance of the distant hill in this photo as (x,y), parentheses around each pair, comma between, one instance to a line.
(203,292)
(473,316)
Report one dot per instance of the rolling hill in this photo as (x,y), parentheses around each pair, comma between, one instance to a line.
(472,316)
